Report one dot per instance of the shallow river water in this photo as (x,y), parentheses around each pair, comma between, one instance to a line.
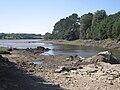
(55,48)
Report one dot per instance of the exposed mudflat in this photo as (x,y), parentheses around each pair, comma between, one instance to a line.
(19,72)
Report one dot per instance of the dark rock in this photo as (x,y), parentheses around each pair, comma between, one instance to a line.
(1,56)
(42,48)
(31,70)
(72,68)
(10,49)
(3,59)
(4,52)
(47,49)
(110,82)
(80,67)
(16,49)
(39,49)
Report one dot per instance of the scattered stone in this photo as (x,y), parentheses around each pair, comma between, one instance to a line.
(80,67)
(118,80)
(82,77)
(58,70)
(67,59)
(111,77)
(89,70)
(74,71)
(92,71)
(110,82)
(61,69)
(80,58)
(70,58)
(65,73)
(100,73)
(31,70)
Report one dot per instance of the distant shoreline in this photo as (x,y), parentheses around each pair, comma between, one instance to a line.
(108,44)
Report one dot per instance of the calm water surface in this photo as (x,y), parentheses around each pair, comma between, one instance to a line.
(55,48)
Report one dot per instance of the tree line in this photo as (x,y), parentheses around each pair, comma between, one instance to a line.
(97,26)
(19,36)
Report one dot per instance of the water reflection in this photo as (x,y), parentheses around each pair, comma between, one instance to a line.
(55,49)
(76,50)
(70,50)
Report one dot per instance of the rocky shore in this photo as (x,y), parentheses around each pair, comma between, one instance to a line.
(24,69)
(109,44)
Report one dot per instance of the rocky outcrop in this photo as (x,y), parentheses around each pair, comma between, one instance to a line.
(42,48)
(39,49)
(105,56)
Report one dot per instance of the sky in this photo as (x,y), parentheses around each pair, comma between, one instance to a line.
(40,16)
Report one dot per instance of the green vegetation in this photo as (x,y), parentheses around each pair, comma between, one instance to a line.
(3,49)
(85,24)
(48,36)
(20,36)
(67,28)
(97,26)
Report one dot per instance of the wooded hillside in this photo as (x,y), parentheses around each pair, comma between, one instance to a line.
(97,26)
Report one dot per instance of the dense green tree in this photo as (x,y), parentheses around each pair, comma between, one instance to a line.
(48,36)
(85,24)
(97,18)
(97,26)
(19,36)
(109,27)
(67,28)
(116,30)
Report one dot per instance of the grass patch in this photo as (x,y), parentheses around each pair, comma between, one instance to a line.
(3,49)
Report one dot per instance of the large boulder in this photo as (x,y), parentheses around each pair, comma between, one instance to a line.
(105,56)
